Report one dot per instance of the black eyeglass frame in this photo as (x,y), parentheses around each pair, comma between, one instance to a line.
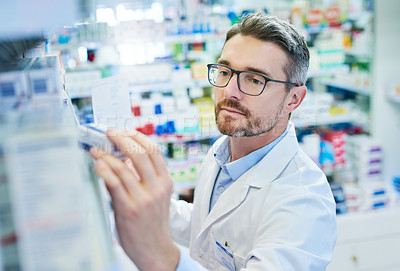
(238,82)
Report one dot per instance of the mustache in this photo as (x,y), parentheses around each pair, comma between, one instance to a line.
(232,104)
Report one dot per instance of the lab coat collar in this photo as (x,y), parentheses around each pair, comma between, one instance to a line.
(273,163)
(269,168)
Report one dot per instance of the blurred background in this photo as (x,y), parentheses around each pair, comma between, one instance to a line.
(70,69)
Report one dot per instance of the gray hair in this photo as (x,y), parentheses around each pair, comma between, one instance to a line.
(271,29)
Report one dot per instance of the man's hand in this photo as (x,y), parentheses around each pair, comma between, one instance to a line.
(140,199)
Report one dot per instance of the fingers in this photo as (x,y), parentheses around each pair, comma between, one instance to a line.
(128,163)
(114,186)
(96,153)
(116,174)
(157,158)
(145,156)
(153,150)
(142,162)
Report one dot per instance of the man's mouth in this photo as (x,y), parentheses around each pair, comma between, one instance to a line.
(231,110)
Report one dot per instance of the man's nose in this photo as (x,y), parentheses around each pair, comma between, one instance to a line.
(231,91)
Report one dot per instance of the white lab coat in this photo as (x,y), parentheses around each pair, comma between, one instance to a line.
(279,215)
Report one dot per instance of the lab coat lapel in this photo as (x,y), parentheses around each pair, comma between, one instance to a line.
(228,201)
(209,185)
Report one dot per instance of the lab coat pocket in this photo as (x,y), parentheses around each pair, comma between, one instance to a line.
(240,262)
(224,256)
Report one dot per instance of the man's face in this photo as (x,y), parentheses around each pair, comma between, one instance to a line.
(238,114)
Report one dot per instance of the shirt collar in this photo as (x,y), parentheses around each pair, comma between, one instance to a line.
(222,153)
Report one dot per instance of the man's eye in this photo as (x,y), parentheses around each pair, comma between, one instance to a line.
(224,73)
(256,81)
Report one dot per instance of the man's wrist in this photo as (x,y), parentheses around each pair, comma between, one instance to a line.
(169,261)
(176,257)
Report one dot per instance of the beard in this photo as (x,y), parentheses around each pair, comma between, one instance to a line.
(252,126)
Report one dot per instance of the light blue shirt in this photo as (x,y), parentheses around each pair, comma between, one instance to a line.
(186,263)
(231,171)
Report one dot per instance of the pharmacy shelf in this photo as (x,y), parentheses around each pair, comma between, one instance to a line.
(153,87)
(332,171)
(394,98)
(173,138)
(359,54)
(321,120)
(349,231)
(149,87)
(347,87)
(192,38)
(201,83)
(327,119)
(316,29)
(170,39)
(361,235)
(165,86)
(179,38)
(327,71)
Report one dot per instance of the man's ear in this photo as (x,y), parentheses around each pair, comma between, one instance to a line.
(295,98)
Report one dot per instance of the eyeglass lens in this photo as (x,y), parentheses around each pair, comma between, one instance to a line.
(249,82)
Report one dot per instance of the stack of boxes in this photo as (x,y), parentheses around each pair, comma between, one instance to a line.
(367,157)
(338,141)
(333,151)
(14,85)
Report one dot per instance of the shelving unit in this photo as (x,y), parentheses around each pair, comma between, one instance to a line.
(359,54)
(171,39)
(166,86)
(51,208)
(347,87)
(327,71)
(323,120)
(161,87)
(370,241)
(385,112)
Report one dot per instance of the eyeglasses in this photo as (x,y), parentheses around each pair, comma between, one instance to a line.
(250,83)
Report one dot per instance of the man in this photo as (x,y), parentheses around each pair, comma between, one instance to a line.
(260,202)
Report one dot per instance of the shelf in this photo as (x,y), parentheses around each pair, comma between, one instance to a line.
(332,171)
(184,38)
(316,29)
(347,86)
(184,137)
(154,87)
(376,220)
(359,54)
(190,38)
(328,71)
(394,98)
(322,120)
(165,86)
(201,83)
